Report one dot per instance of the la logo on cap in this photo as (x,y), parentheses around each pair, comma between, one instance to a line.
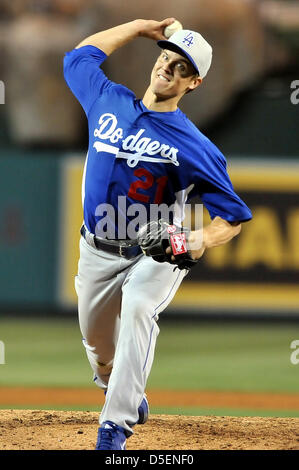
(189,40)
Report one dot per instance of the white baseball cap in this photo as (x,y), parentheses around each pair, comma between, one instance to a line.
(193,46)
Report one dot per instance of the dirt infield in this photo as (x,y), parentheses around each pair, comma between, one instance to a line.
(163,398)
(68,430)
(72,430)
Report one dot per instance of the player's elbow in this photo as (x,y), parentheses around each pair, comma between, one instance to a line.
(237,227)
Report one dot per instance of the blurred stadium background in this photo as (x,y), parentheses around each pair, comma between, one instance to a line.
(227,335)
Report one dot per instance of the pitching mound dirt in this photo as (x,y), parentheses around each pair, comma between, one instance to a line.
(68,430)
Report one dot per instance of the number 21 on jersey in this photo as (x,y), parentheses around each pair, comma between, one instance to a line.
(146,181)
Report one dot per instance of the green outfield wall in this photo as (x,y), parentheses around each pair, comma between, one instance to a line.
(29,201)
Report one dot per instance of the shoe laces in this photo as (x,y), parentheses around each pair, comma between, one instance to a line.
(106,437)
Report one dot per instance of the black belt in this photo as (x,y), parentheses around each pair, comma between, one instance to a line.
(125,248)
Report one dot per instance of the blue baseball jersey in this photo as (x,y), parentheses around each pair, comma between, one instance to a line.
(140,158)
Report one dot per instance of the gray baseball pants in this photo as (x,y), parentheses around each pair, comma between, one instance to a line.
(119,302)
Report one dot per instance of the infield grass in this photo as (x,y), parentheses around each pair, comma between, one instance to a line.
(154,410)
(192,356)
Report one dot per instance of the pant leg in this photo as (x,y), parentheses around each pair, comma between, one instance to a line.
(147,290)
(98,285)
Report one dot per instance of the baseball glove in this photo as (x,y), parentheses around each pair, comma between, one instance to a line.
(155,237)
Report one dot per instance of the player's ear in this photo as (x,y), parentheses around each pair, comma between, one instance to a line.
(195,82)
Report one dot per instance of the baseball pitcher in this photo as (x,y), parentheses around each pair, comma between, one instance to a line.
(143,153)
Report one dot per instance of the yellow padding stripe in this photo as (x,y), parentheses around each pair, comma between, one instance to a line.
(265,179)
(236,295)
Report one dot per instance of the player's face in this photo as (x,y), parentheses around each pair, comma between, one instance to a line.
(173,75)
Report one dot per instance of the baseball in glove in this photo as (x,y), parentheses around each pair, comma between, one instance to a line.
(156,236)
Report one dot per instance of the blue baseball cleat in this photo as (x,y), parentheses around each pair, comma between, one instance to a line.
(111,437)
(143,411)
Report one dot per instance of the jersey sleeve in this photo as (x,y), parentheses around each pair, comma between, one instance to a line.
(83,75)
(216,190)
